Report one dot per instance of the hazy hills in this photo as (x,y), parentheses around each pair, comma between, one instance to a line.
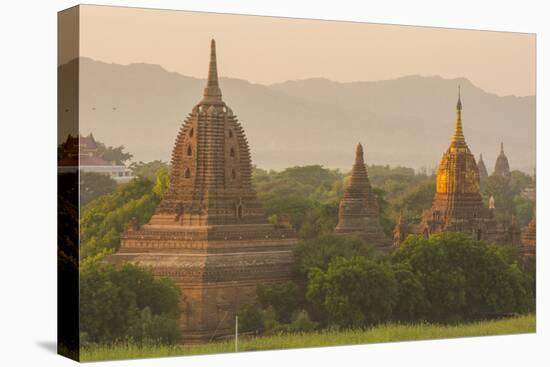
(405,121)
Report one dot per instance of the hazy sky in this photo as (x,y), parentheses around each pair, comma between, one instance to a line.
(270,50)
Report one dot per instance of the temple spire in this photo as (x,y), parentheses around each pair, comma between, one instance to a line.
(359,154)
(212,92)
(458,134)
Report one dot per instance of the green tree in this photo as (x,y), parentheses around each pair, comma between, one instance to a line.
(113,154)
(250,319)
(126,302)
(354,292)
(148,170)
(94,185)
(104,219)
(414,201)
(412,304)
(284,298)
(319,221)
(319,252)
(463,278)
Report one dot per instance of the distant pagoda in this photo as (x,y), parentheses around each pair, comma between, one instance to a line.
(359,214)
(502,167)
(209,233)
(483,173)
(457,204)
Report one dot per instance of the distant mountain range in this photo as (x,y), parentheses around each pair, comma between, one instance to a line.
(406,121)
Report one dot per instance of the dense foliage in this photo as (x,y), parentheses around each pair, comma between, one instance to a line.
(465,279)
(319,252)
(127,302)
(113,154)
(354,292)
(284,298)
(148,170)
(341,281)
(509,198)
(94,185)
(104,219)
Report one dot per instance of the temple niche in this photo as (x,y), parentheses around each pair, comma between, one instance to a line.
(358,213)
(457,204)
(209,233)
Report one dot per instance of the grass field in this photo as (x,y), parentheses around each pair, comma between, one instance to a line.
(379,334)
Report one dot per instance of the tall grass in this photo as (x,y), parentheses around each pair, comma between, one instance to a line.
(378,334)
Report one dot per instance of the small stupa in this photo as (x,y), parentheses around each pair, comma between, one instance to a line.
(358,213)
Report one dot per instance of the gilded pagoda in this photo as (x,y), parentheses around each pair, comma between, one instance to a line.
(457,204)
(209,233)
(358,213)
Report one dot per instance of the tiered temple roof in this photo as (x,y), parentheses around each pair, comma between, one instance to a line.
(457,204)
(209,233)
(359,213)
(81,151)
(502,168)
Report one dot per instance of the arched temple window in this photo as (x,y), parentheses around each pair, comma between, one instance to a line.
(191,132)
(189,151)
(230,133)
(187,173)
(233,174)
(232,152)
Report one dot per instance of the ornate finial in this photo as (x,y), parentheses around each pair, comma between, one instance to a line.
(459,103)
(212,92)
(458,135)
(359,154)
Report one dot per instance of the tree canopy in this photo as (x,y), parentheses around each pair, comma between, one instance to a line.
(126,302)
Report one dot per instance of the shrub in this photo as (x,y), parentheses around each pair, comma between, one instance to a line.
(126,302)
(284,298)
(354,292)
(250,319)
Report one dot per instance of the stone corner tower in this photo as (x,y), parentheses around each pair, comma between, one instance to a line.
(358,213)
(457,204)
(209,233)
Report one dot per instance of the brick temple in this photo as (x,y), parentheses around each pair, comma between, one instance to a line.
(457,205)
(358,213)
(209,233)
(502,167)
